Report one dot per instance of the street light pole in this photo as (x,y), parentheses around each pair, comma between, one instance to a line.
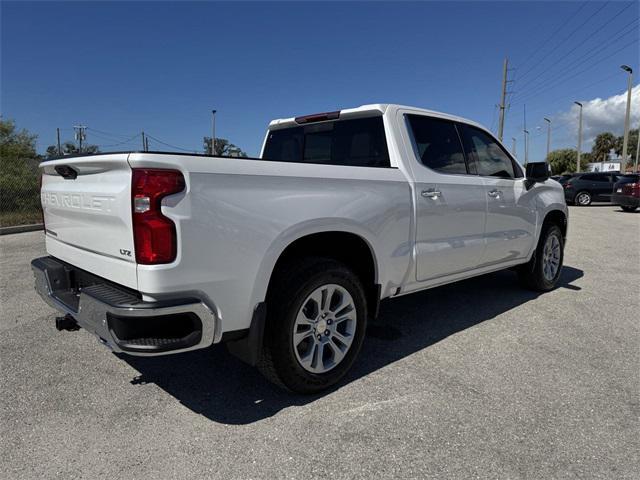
(579,137)
(625,143)
(635,168)
(213,132)
(548,137)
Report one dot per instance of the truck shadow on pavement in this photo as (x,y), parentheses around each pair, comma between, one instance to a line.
(215,384)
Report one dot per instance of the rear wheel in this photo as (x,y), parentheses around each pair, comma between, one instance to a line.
(628,209)
(542,272)
(315,326)
(583,199)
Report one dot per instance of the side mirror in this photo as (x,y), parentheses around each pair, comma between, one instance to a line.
(538,172)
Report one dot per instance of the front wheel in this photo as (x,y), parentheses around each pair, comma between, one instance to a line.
(542,272)
(316,323)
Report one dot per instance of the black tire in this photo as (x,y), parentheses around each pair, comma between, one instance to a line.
(531,274)
(278,361)
(577,200)
(628,209)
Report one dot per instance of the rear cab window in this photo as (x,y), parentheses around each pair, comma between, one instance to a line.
(438,145)
(357,142)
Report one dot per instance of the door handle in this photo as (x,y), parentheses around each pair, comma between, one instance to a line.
(495,193)
(431,193)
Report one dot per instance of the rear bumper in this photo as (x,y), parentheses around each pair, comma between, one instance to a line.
(119,317)
(625,200)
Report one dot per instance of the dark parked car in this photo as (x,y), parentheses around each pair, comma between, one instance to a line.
(584,188)
(626,192)
(562,178)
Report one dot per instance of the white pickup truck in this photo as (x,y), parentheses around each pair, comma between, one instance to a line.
(286,257)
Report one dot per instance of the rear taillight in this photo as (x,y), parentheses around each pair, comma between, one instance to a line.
(568,185)
(635,190)
(154,234)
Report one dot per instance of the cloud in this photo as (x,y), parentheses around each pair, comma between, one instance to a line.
(603,115)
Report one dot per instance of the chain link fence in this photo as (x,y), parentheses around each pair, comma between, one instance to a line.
(19,192)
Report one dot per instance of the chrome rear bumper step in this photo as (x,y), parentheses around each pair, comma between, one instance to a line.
(119,317)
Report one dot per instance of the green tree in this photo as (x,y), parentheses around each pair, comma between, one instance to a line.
(19,176)
(631,146)
(224,148)
(563,161)
(603,144)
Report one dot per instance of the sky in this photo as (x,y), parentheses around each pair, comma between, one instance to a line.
(121,68)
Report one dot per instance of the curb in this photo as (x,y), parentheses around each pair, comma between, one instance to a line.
(21,229)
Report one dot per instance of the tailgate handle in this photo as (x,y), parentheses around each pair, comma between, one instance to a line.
(66,171)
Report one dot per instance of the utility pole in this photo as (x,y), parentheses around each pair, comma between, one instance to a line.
(513,149)
(144,143)
(525,133)
(579,137)
(213,132)
(503,98)
(625,143)
(80,135)
(58,135)
(635,168)
(548,137)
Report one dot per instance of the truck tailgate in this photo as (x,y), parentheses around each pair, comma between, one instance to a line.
(86,202)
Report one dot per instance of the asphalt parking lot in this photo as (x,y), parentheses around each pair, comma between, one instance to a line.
(480,379)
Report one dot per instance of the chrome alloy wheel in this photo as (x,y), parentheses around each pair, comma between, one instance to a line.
(551,257)
(324,328)
(584,198)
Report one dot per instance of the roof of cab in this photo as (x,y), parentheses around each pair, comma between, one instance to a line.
(380,108)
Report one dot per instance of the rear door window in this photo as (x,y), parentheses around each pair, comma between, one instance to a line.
(595,177)
(438,144)
(358,142)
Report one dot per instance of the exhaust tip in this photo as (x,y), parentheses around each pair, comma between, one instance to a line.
(67,323)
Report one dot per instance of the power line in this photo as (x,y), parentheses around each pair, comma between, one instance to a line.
(578,46)
(560,80)
(603,46)
(122,143)
(569,36)
(103,137)
(108,133)
(493,117)
(169,145)
(561,26)
(602,80)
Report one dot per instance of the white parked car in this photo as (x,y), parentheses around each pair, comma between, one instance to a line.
(286,257)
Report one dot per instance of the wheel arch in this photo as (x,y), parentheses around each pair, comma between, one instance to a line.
(359,254)
(348,244)
(559,218)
